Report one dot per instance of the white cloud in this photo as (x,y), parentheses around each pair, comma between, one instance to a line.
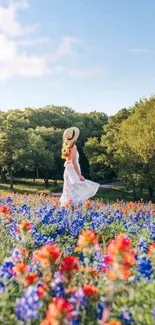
(85,73)
(17,43)
(66,48)
(14,63)
(28,42)
(9,23)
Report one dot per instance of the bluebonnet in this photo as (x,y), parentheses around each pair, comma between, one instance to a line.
(2,287)
(76,227)
(153,313)
(59,290)
(76,321)
(152,231)
(78,298)
(27,308)
(126,317)
(15,255)
(144,267)
(70,250)
(98,260)
(100,309)
(6,270)
(40,239)
(12,228)
(25,211)
(143,245)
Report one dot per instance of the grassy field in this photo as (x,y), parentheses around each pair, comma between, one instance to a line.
(112,194)
(28,186)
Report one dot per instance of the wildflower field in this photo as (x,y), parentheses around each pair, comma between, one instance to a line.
(89,264)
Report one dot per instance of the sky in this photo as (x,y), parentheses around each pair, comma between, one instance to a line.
(86,54)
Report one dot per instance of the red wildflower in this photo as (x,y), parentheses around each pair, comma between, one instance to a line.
(90,291)
(69,265)
(4,209)
(30,279)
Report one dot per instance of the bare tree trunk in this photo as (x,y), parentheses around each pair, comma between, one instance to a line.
(11,179)
(134,193)
(150,189)
(37,171)
(34,179)
(46,180)
(141,191)
(3,177)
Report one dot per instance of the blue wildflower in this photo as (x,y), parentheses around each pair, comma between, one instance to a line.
(27,308)
(153,313)
(99,260)
(6,270)
(100,309)
(126,317)
(144,267)
(2,287)
(143,245)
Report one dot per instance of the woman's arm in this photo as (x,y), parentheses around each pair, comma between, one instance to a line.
(73,159)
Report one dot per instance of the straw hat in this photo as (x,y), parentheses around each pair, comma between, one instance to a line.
(71,135)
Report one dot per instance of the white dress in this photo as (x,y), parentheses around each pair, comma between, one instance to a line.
(75,190)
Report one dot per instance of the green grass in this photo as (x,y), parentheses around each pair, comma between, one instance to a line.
(114,194)
(27,186)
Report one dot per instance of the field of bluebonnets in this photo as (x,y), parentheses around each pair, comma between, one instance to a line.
(88,264)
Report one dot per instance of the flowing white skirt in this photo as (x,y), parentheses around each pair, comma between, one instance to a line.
(75,190)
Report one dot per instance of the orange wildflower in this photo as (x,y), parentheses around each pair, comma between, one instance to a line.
(87,204)
(113,322)
(25,226)
(151,249)
(89,270)
(21,268)
(59,310)
(42,290)
(120,257)
(24,252)
(47,254)
(86,240)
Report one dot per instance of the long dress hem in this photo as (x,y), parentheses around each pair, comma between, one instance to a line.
(75,190)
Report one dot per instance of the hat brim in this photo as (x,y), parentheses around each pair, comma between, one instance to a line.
(74,138)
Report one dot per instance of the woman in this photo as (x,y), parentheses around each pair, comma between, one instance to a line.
(76,188)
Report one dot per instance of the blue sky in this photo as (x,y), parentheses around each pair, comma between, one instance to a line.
(86,54)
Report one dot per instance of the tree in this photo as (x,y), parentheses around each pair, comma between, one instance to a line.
(38,157)
(53,143)
(101,151)
(96,154)
(137,134)
(13,141)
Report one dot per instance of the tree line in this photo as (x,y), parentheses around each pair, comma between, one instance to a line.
(120,146)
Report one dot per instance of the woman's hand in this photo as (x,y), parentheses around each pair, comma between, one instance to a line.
(82,178)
